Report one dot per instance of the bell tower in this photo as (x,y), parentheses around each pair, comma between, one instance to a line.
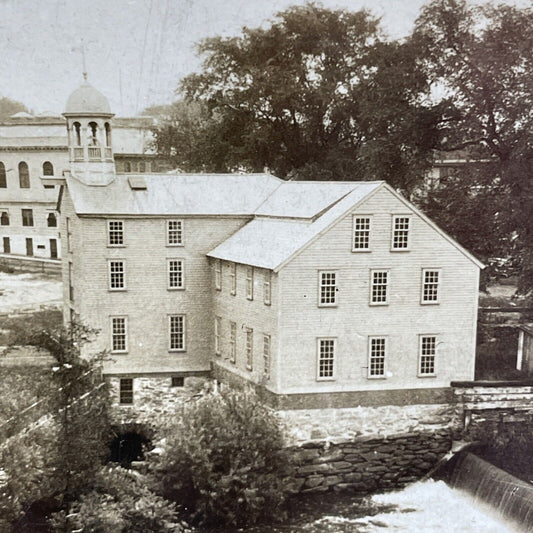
(89,136)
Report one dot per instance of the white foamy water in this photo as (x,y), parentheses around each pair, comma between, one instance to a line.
(426,507)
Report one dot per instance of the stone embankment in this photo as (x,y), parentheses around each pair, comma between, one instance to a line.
(369,463)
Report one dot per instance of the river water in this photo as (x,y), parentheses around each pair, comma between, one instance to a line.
(424,507)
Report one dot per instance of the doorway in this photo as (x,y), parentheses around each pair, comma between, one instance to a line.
(29,247)
(53,248)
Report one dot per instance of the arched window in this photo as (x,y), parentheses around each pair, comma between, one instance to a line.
(93,134)
(48,169)
(24,175)
(127,166)
(52,220)
(3,178)
(142,166)
(77,133)
(107,134)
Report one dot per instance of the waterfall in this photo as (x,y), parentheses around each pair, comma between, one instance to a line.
(507,495)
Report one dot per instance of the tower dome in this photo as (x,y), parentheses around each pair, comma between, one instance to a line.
(86,100)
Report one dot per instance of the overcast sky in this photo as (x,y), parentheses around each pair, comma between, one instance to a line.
(136,50)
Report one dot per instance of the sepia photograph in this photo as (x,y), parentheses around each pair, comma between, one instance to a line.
(266,266)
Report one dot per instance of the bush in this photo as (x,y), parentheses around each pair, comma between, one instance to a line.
(224,461)
(119,503)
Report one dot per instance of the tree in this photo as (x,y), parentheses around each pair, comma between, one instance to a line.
(9,107)
(224,462)
(482,58)
(319,94)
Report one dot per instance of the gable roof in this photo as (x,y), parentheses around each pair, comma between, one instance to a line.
(175,194)
(272,243)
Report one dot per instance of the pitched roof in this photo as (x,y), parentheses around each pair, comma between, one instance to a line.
(175,194)
(270,243)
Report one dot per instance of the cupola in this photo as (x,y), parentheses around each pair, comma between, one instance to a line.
(89,136)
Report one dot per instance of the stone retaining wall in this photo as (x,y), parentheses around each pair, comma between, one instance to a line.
(368,464)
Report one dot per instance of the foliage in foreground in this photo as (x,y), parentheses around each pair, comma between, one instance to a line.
(224,462)
(120,502)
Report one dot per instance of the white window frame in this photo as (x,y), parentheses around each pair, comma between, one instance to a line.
(179,231)
(421,338)
(110,277)
(423,301)
(112,333)
(249,345)
(249,282)
(267,287)
(322,285)
(181,262)
(367,231)
(118,232)
(233,342)
(233,279)
(386,285)
(218,274)
(319,359)
(132,391)
(267,355)
(370,357)
(218,330)
(183,347)
(394,230)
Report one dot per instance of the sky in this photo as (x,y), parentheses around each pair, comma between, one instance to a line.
(136,50)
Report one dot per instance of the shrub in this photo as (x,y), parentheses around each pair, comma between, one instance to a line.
(224,461)
(119,503)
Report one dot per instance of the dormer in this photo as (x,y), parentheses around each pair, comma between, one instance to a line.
(89,136)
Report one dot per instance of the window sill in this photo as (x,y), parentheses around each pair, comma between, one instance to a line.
(250,299)
(119,352)
(268,303)
(174,245)
(376,377)
(400,250)
(233,293)
(175,288)
(116,246)
(117,290)
(249,368)
(378,304)
(327,305)
(427,375)
(430,303)
(361,251)
(178,351)
(326,379)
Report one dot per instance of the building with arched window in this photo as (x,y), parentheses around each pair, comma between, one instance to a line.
(32,146)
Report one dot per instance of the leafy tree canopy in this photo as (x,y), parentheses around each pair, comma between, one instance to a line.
(319,94)
(482,56)
(9,107)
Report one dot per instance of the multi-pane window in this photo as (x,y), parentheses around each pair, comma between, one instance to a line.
(48,169)
(326,359)
(4,218)
(376,358)
(267,287)
(175,232)
(379,282)
(115,233)
(175,274)
(118,334)
(361,233)
(232,342)
(250,283)
(218,274)
(430,286)
(400,232)
(24,175)
(249,348)
(426,359)
(218,329)
(177,381)
(328,288)
(176,331)
(27,217)
(126,391)
(117,275)
(233,279)
(266,356)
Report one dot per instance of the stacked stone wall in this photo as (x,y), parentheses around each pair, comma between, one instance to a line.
(368,464)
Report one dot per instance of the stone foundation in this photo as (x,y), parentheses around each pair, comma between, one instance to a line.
(368,464)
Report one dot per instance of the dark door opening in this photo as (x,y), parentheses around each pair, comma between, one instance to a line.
(128,447)
(29,247)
